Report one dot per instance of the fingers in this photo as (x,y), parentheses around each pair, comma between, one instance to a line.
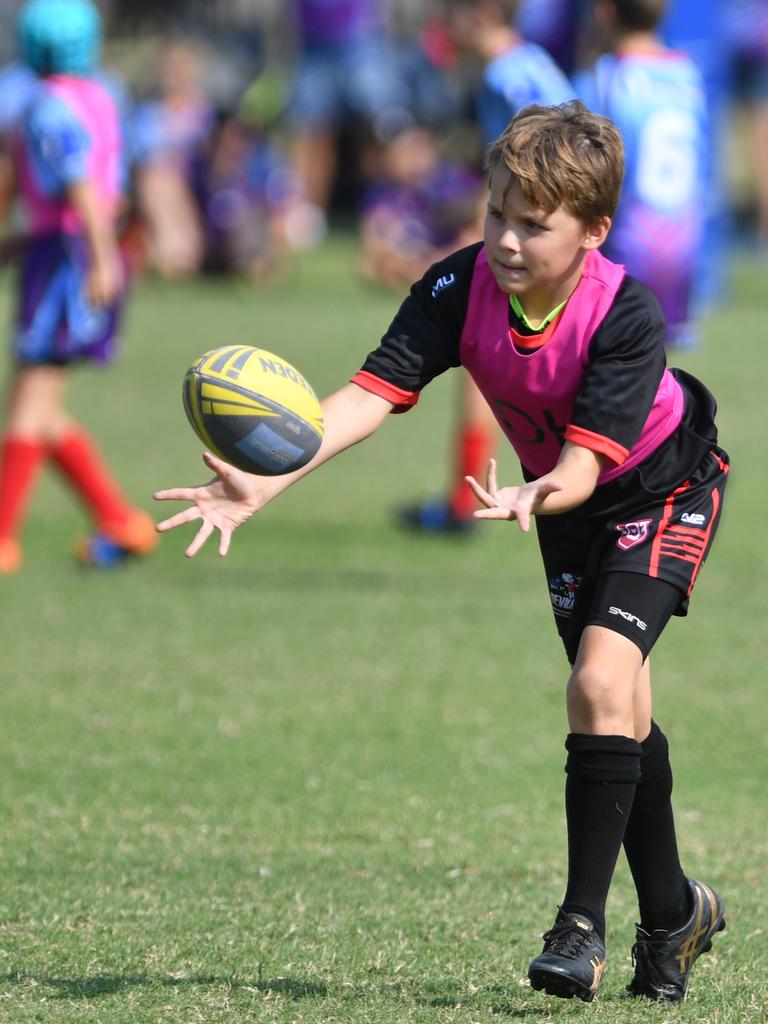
(523,516)
(219,466)
(199,539)
(491,484)
(187,516)
(480,492)
(498,513)
(226,537)
(176,494)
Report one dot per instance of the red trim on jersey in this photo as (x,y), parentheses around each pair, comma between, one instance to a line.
(401,400)
(723,465)
(597,443)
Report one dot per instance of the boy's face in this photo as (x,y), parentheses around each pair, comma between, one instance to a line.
(534,255)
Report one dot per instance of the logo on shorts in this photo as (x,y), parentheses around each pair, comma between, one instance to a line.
(693,518)
(562,592)
(633,533)
(613,610)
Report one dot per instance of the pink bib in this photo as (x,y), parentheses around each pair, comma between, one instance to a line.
(532,394)
(97,111)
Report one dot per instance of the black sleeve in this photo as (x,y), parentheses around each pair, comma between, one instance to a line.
(423,339)
(626,364)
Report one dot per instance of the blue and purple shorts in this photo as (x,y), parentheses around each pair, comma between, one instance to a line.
(55,323)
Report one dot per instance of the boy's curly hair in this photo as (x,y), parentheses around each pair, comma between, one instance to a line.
(563,156)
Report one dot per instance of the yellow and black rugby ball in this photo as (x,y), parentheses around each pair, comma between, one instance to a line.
(253,409)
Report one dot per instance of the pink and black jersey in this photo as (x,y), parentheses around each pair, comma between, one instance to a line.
(599,380)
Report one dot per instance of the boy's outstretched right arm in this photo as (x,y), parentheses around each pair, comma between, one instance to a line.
(232,496)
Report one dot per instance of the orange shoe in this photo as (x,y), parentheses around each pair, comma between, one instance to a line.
(135,534)
(10,556)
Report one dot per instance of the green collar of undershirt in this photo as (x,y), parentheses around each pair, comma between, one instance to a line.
(519,312)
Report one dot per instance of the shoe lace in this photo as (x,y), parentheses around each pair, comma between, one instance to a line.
(643,961)
(566,939)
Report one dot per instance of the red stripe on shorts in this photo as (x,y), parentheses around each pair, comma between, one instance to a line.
(715,507)
(669,506)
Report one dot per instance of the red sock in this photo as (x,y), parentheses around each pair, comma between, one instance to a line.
(83,465)
(20,459)
(474,447)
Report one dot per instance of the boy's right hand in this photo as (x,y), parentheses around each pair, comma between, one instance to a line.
(224,503)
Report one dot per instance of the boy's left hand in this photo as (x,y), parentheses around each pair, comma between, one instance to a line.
(509,503)
(104,282)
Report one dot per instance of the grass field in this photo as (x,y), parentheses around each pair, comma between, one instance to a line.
(321,780)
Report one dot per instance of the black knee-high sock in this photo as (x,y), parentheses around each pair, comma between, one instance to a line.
(650,842)
(602,776)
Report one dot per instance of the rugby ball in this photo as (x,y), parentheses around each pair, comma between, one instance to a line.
(253,409)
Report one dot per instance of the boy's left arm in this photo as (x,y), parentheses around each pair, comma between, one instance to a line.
(105,279)
(567,486)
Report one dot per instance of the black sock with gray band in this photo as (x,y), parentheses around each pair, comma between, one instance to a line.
(603,772)
(650,841)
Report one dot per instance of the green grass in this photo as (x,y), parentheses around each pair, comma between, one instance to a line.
(321,780)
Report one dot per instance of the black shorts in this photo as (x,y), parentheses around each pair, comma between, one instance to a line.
(630,575)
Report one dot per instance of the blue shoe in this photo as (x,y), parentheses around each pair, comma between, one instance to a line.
(434,516)
(99,552)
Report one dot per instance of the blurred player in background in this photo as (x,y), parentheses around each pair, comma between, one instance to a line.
(247,188)
(656,98)
(67,150)
(347,72)
(555,25)
(515,73)
(699,29)
(421,208)
(168,136)
(747,37)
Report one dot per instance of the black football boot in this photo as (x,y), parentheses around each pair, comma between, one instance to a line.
(663,959)
(572,961)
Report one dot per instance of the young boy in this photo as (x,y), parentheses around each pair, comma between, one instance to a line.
(656,98)
(515,73)
(68,163)
(624,477)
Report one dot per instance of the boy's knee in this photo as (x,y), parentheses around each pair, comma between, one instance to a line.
(599,699)
(593,685)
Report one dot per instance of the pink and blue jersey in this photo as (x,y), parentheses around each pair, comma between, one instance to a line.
(70,131)
(523,75)
(658,102)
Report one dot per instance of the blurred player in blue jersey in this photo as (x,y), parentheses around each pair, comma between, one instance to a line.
(68,162)
(746,24)
(555,25)
(346,74)
(701,31)
(656,97)
(515,73)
